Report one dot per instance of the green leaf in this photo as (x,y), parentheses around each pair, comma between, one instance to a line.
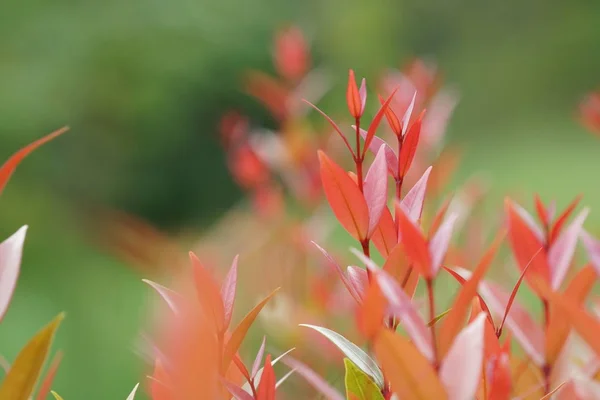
(25,371)
(359,385)
(56,395)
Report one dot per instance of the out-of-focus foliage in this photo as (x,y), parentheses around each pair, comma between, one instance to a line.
(143,84)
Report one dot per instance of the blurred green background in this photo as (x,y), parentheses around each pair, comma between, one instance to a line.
(142,84)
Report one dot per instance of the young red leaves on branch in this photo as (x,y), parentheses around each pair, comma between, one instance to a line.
(355,97)
(427,255)
(358,213)
(557,244)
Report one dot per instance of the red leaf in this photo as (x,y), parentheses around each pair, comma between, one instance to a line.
(439,217)
(7,169)
(562,219)
(415,198)
(392,119)
(345,199)
(266,387)
(385,237)
(228,291)
(375,190)
(525,243)
(371,311)
(562,250)
(438,245)
(208,294)
(541,211)
(409,146)
(291,54)
(408,114)
(11,251)
(376,121)
(353,96)
(415,245)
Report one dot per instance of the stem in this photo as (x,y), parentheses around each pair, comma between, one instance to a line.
(254,394)
(399,181)
(430,294)
(358,160)
(546,368)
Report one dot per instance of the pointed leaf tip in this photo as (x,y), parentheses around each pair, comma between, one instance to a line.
(25,371)
(11,251)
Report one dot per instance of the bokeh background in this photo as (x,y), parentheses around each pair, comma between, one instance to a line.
(143,83)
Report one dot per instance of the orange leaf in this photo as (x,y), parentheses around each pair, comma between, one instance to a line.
(585,324)
(411,375)
(371,312)
(397,265)
(455,320)
(409,145)
(528,382)
(392,119)
(353,97)
(525,244)
(239,333)
(209,294)
(558,329)
(541,211)
(11,164)
(562,219)
(344,197)
(415,244)
(385,236)
(375,123)
(439,217)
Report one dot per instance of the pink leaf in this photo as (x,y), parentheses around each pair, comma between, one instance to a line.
(363,95)
(313,379)
(561,253)
(412,203)
(401,306)
(438,245)
(228,291)
(408,114)
(11,251)
(168,295)
(339,271)
(390,156)
(460,371)
(236,391)
(358,279)
(258,359)
(592,247)
(375,190)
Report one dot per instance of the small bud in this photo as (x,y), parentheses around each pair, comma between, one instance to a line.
(392,119)
(353,97)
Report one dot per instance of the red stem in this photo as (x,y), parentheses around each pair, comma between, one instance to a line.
(430,294)
(546,368)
